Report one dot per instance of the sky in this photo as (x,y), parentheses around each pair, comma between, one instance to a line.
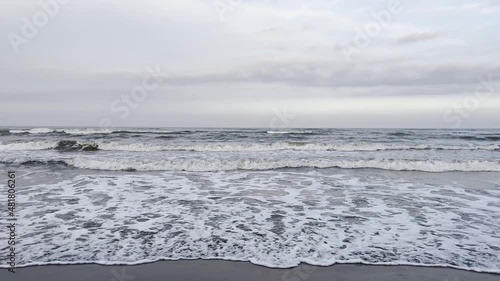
(250,63)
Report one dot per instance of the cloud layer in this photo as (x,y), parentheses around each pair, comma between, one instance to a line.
(226,64)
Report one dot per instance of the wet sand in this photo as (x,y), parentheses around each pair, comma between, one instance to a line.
(211,270)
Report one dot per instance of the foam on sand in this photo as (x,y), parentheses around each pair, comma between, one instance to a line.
(276,219)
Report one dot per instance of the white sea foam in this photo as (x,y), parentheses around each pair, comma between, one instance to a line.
(32,145)
(275,219)
(217,164)
(85,131)
(18,131)
(221,195)
(82,132)
(67,131)
(221,147)
(33,131)
(289,132)
(215,147)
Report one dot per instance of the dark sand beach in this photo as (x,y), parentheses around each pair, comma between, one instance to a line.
(212,270)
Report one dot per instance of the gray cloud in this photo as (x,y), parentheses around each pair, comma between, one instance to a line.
(298,72)
(265,54)
(419,36)
(314,73)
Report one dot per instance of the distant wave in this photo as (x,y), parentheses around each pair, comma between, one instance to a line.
(400,134)
(39,131)
(66,145)
(32,145)
(148,132)
(481,138)
(63,145)
(88,131)
(214,165)
(289,132)
(444,135)
(83,132)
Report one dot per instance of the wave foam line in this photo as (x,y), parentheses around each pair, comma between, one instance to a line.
(268,265)
(215,165)
(233,147)
(86,131)
(290,132)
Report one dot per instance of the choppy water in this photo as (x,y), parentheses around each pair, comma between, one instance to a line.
(275,198)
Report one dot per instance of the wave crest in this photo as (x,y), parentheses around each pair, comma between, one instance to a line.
(215,165)
(289,132)
(231,147)
(69,145)
(83,132)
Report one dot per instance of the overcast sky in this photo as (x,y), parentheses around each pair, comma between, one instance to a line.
(250,63)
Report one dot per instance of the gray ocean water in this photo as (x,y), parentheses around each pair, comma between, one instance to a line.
(272,197)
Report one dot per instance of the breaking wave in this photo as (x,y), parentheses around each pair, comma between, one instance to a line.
(215,165)
(289,132)
(65,145)
(74,145)
(82,132)
(481,138)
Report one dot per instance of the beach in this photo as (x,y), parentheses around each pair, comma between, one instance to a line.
(205,270)
(249,140)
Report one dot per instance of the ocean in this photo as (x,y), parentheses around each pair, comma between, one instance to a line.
(272,197)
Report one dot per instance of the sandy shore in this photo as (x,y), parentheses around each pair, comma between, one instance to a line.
(203,270)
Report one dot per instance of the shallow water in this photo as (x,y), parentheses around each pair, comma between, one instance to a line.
(275,198)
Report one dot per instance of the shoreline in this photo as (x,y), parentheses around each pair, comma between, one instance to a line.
(220,270)
(145,262)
